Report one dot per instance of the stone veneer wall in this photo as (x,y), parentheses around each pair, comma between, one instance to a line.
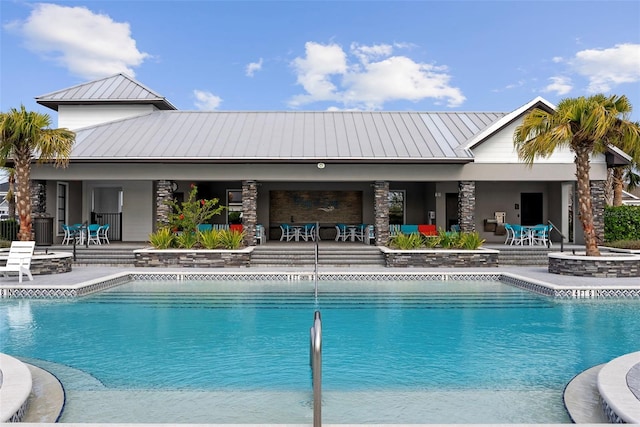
(381,212)
(53,264)
(192,259)
(441,258)
(467,205)
(163,195)
(249,211)
(602,266)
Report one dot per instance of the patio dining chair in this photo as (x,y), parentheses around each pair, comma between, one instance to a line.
(308,231)
(361,231)
(260,234)
(103,234)
(69,234)
(93,234)
(520,235)
(540,235)
(341,232)
(287,232)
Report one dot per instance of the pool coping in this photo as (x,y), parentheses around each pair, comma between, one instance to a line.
(577,291)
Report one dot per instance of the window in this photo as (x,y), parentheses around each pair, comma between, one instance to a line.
(62,204)
(396,206)
(234,206)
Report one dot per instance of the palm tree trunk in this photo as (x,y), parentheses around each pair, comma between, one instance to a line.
(23,199)
(618,174)
(11,195)
(584,201)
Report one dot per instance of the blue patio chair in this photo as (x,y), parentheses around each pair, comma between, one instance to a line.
(540,235)
(308,232)
(520,236)
(103,234)
(409,229)
(341,232)
(260,234)
(205,227)
(93,234)
(69,233)
(287,232)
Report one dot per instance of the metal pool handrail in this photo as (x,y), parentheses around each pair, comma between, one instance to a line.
(315,271)
(315,360)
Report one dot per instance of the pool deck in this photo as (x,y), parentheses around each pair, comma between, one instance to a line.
(621,377)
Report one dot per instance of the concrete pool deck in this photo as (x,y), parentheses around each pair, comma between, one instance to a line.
(622,376)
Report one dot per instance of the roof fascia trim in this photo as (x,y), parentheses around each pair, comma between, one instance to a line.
(495,127)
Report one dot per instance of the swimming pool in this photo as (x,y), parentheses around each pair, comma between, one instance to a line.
(393,352)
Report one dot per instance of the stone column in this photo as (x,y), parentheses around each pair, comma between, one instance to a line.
(164,193)
(381,211)
(38,203)
(467,205)
(249,211)
(38,199)
(598,201)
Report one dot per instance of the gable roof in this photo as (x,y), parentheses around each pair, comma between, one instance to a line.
(118,88)
(538,102)
(270,136)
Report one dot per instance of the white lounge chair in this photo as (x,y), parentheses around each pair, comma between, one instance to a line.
(19,259)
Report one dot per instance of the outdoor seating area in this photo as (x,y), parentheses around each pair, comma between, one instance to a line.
(19,259)
(310,233)
(424,229)
(97,234)
(528,235)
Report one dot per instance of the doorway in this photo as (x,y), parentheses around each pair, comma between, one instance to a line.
(451,212)
(531,208)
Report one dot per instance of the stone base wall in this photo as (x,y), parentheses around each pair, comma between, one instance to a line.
(440,258)
(192,259)
(42,264)
(588,266)
(52,264)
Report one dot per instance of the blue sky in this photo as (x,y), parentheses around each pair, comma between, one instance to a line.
(322,55)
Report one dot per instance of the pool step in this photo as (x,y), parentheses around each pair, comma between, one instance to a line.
(524,256)
(303,255)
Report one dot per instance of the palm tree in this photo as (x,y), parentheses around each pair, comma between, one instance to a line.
(587,126)
(24,135)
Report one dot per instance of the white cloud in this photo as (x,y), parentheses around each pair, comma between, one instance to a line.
(370,79)
(206,101)
(253,67)
(89,45)
(557,59)
(560,85)
(607,68)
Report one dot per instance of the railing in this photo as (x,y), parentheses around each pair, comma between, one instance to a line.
(315,269)
(315,359)
(562,236)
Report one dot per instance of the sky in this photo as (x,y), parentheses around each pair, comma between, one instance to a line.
(326,55)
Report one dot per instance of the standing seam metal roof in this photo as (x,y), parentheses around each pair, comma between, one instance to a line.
(377,136)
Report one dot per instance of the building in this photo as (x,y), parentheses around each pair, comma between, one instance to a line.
(134,150)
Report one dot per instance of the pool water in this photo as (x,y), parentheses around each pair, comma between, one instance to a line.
(393,352)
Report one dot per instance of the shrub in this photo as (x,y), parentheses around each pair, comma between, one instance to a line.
(449,239)
(407,241)
(231,239)
(210,239)
(621,223)
(186,239)
(471,240)
(162,239)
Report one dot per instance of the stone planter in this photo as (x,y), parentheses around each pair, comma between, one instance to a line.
(606,265)
(46,262)
(192,258)
(435,258)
